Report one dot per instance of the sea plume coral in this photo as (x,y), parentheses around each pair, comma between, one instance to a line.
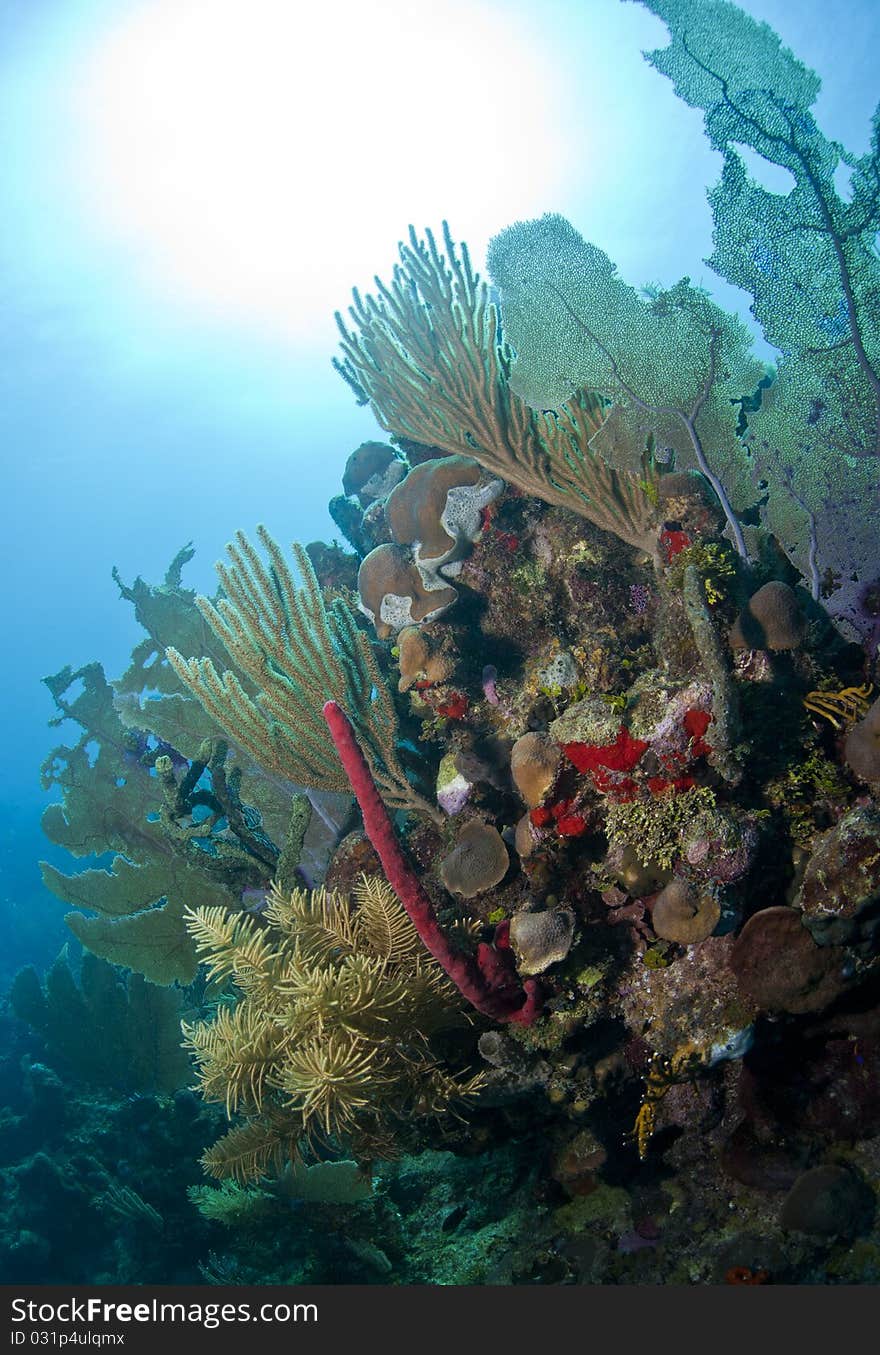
(290,653)
(326,1033)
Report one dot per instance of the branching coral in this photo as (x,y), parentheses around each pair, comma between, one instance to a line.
(296,653)
(328,1034)
(426,355)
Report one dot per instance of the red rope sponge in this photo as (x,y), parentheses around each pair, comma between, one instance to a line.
(490,982)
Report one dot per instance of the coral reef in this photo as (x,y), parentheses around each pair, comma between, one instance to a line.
(594,995)
(94,1167)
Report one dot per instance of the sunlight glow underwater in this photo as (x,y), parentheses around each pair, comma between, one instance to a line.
(257,159)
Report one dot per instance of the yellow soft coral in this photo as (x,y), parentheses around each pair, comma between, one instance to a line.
(326,1032)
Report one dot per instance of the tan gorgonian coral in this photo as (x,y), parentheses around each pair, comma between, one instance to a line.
(427,356)
(294,653)
(327,1034)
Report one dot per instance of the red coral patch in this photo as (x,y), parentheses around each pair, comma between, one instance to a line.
(455,708)
(696,722)
(659,785)
(619,756)
(672,542)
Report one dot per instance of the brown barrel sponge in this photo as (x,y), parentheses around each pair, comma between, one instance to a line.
(862,746)
(534,764)
(478,860)
(771,619)
(682,914)
(779,966)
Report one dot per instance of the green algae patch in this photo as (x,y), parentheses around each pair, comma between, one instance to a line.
(607,1207)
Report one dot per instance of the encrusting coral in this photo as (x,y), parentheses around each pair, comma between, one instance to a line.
(680,914)
(478,860)
(434,513)
(422,658)
(771,619)
(394,593)
(541,939)
(534,765)
(437,506)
